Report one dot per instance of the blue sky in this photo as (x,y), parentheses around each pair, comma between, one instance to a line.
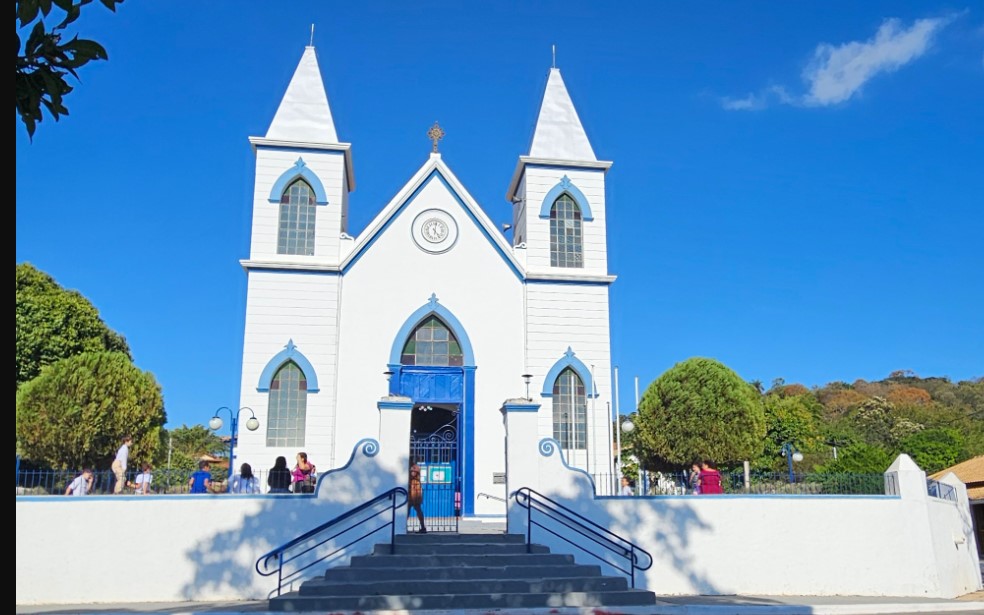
(798,188)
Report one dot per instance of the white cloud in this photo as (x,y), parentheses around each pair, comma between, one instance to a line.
(837,73)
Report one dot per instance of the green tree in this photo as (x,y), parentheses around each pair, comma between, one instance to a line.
(858,458)
(54,323)
(789,418)
(45,60)
(187,445)
(934,449)
(699,409)
(78,410)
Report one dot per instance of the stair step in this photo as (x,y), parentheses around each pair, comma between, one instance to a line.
(464,548)
(294,601)
(416,586)
(402,560)
(462,573)
(443,538)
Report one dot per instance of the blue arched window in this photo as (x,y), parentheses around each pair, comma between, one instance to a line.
(296,226)
(566,237)
(287,407)
(432,343)
(570,411)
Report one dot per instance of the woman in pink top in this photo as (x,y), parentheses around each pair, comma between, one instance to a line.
(710,480)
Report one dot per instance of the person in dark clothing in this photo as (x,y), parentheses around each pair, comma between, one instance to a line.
(279,477)
(415,494)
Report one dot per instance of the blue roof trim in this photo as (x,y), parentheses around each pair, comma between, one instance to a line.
(289,353)
(521,407)
(430,177)
(565,186)
(570,282)
(300,169)
(568,360)
(433,306)
(549,445)
(394,405)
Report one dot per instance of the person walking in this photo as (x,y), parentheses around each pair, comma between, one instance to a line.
(693,479)
(626,487)
(278,479)
(119,464)
(415,494)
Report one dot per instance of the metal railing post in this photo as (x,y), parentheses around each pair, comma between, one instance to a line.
(392,523)
(529,525)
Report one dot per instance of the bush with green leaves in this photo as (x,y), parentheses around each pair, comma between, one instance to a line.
(699,409)
(77,411)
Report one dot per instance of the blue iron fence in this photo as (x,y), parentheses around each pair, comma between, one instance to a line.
(54,482)
(943,491)
(763,483)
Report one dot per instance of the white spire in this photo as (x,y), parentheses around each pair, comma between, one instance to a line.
(559,134)
(304,114)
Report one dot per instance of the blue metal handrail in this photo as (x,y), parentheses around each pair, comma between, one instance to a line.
(275,561)
(535,501)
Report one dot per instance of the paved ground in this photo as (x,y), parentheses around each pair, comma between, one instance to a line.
(666,605)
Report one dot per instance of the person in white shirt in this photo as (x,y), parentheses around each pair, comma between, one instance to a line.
(141,484)
(245,482)
(82,484)
(119,464)
(626,487)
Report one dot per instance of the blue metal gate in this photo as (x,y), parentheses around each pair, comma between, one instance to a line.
(437,455)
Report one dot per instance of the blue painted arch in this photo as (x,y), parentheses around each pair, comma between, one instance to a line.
(289,353)
(571,361)
(433,306)
(300,170)
(565,186)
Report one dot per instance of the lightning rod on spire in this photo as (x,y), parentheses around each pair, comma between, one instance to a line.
(311,44)
(553,52)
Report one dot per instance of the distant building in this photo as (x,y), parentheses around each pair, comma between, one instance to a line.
(457,315)
(971,473)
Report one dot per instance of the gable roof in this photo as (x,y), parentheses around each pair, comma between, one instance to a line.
(433,169)
(304,114)
(971,473)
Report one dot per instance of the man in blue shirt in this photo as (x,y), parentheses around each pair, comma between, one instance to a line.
(201,481)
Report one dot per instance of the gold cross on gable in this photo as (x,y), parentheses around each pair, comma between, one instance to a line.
(435,134)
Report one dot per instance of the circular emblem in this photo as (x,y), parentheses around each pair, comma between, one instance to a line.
(434,231)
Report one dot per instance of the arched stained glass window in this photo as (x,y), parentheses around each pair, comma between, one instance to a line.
(296,226)
(570,411)
(566,240)
(287,407)
(432,343)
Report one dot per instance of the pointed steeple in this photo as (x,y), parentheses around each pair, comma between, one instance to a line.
(559,134)
(304,114)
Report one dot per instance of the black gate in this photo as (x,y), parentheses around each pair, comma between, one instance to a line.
(436,453)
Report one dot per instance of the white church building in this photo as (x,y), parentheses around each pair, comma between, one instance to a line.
(431,298)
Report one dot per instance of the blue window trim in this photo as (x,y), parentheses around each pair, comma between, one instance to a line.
(289,353)
(565,186)
(299,170)
(433,306)
(569,360)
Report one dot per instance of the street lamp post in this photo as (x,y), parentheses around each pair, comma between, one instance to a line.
(526,379)
(215,424)
(791,453)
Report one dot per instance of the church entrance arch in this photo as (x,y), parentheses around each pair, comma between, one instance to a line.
(432,364)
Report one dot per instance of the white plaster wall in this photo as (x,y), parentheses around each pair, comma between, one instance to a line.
(106,549)
(271,163)
(576,316)
(538,181)
(778,545)
(953,541)
(394,278)
(280,306)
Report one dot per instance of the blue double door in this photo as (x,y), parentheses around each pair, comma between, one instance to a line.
(436,429)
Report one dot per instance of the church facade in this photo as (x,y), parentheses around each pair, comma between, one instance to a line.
(431,301)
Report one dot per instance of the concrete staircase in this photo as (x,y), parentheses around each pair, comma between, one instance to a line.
(461,571)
